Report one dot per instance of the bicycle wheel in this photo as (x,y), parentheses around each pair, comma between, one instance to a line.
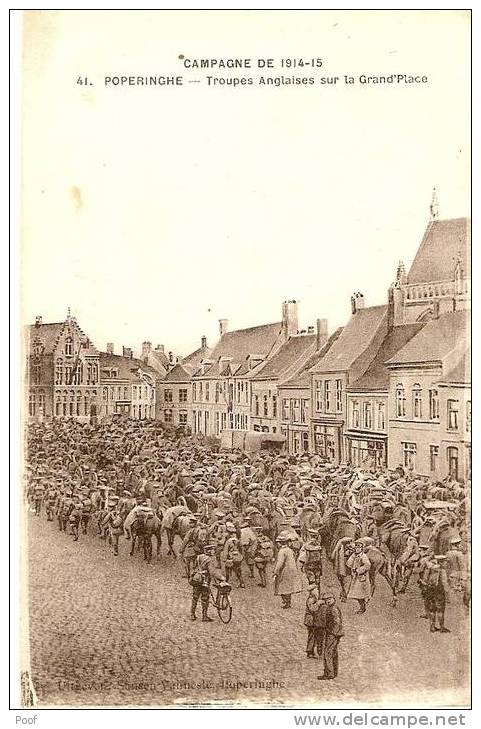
(224,608)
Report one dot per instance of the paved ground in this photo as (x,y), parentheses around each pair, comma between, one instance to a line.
(111,630)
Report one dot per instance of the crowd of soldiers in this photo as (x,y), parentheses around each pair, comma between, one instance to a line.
(239,514)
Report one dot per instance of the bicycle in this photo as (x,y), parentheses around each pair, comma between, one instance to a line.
(220,599)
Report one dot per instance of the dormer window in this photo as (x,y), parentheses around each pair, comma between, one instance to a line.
(69,346)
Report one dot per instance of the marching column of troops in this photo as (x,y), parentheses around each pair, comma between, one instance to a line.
(235,515)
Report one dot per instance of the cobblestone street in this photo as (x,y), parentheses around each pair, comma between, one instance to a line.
(109,631)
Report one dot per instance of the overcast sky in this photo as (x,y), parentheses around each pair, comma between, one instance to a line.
(153,212)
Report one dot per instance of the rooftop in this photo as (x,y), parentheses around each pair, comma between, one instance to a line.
(293,352)
(302,378)
(127,366)
(353,340)
(443,242)
(435,340)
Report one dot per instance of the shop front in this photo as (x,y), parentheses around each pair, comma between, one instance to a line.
(327,442)
(366,450)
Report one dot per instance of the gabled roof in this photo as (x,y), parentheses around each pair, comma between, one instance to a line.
(242,342)
(193,359)
(461,373)
(376,376)
(127,367)
(435,340)
(49,334)
(181,372)
(353,340)
(302,378)
(443,242)
(293,352)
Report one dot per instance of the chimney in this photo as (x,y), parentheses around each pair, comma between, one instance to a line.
(290,324)
(160,348)
(146,349)
(310,330)
(357,302)
(223,326)
(171,358)
(203,342)
(110,347)
(127,352)
(38,321)
(395,306)
(321,332)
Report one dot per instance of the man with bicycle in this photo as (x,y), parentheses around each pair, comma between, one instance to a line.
(205,572)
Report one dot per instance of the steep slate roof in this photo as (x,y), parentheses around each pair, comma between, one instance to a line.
(47,334)
(302,378)
(435,340)
(354,339)
(376,376)
(293,352)
(462,372)
(193,359)
(241,342)
(127,366)
(443,241)
(181,372)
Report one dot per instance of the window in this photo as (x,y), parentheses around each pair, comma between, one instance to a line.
(223,420)
(356,414)
(367,415)
(135,411)
(433,404)
(265,406)
(409,455)
(78,374)
(168,396)
(41,402)
(59,372)
(453,412)
(305,442)
(238,391)
(400,401)
(57,402)
(134,392)
(274,406)
(319,396)
(207,390)
(69,346)
(126,393)
(200,392)
(256,404)
(453,462)
(168,416)
(285,409)
(433,457)
(417,401)
(304,410)
(217,391)
(296,410)
(194,392)
(468,416)
(183,394)
(327,395)
(381,416)
(338,396)
(183,417)
(32,403)
(105,393)
(68,374)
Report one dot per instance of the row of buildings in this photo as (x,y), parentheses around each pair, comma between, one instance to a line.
(390,387)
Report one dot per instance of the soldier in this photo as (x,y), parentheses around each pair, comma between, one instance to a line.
(232,554)
(65,507)
(263,555)
(436,593)
(218,534)
(455,564)
(333,634)
(248,540)
(193,544)
(314,620)
(114,521)
(310,557)
(50,501)
(287,580)
(205,571)
(38,496)
(360,587)
(426,557)
(75,516)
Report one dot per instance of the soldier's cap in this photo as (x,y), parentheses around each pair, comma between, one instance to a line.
(126,493)
(326,596)
(230,527)
(209,548)
(313,531)
(219,513)
(440,557)
(312,586)
(455,540)
(424,546)
(258,528)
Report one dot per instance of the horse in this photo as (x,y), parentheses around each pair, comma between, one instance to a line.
(177,520)
(395,538)
(144,527)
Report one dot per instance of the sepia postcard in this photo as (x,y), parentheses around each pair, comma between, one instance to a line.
(246,359)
